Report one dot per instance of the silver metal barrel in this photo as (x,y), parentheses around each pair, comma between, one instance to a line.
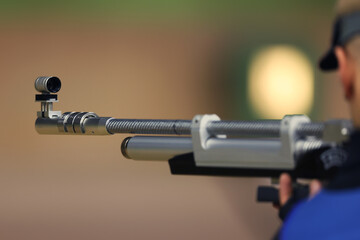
(93,125)
(262,128)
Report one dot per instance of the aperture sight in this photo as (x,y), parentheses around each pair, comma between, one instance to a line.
(47,86)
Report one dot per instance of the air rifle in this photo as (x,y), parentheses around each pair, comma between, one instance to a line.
(207,145)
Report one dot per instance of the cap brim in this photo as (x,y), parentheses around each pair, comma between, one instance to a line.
(329,61)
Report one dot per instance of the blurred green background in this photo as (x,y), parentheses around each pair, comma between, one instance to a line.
(165,8)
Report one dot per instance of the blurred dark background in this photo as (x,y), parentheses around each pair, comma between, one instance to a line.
(149,59)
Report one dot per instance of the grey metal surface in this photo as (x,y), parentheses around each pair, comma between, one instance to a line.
(155,148)
(249,153)
(172,127)
(311,129)
(264,128)
(337,130)
(48,126)
(96,126)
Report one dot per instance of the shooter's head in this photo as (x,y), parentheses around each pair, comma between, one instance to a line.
(344,53)
(48,84)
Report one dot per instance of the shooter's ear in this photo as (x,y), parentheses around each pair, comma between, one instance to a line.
(346,70)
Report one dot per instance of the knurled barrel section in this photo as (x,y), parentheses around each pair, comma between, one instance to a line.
(151,126)
(259,128)
(311,129)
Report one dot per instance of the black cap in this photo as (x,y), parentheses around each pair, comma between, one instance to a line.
(345,28)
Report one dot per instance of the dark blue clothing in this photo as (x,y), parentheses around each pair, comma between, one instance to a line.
(335,212)
(329,215)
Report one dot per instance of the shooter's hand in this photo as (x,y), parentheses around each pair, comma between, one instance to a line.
(286,198)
